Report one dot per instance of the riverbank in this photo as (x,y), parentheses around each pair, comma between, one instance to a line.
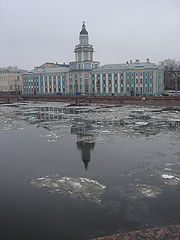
(81,99)
(76,99)
(169,233)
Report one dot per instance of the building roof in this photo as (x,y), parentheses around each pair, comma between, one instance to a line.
(53,65)
(12,69)
(49,70)
(129,65)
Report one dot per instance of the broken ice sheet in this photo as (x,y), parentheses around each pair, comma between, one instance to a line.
(74,187)
(51,136)
(170,173)
(146,190)
(170,178)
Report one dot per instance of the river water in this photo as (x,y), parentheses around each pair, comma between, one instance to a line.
(76,172)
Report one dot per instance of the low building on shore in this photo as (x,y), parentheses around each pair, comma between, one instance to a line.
(11,80)
(86,76)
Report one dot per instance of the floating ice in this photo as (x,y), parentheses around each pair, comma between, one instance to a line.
(142,123)
(166,176)
(171,179)
(75,187)
(102,121)
(146,190)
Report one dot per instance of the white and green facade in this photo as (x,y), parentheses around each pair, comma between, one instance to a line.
(86,76)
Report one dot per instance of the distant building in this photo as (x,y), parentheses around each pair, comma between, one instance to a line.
(86,76)
(11,80)
(172,80)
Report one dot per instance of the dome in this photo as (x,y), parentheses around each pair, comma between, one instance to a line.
(83,31)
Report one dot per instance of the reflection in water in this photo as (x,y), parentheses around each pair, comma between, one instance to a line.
(85,148)
(85,141)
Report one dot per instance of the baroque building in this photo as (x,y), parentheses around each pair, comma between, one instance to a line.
(86,76)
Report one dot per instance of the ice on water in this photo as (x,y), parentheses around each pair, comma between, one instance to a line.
(102,121)
(75,187)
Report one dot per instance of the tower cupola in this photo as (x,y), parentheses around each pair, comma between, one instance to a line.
(83,31)
(83,36)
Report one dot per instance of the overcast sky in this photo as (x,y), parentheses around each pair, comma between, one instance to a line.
(36,31)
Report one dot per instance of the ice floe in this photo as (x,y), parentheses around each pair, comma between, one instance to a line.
(142,190)
(75,187)
(150,191)
(171,179)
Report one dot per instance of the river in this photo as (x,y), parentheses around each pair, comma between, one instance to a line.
(76,172)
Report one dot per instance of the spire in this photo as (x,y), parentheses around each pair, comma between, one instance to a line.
(84,31)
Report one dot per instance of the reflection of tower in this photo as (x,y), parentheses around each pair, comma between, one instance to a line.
(85,141)
(85,148)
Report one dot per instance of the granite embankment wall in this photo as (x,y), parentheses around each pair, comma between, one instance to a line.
(73,99)
(9,98)
(77,99)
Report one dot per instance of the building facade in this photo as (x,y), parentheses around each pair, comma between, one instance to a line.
(11,80)
(84,75)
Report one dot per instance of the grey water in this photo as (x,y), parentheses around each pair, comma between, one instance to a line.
(133,151)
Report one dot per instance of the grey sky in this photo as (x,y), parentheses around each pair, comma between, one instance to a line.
(36,31)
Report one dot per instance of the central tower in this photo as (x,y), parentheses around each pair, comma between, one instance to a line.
(81,69)
(83,53)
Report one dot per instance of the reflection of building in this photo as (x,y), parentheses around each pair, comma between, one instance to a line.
(85,142)
(86,76)
(11,80)
(85,148)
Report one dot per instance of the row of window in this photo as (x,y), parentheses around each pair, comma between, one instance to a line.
(122,90)
(122,81)
(128,74)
